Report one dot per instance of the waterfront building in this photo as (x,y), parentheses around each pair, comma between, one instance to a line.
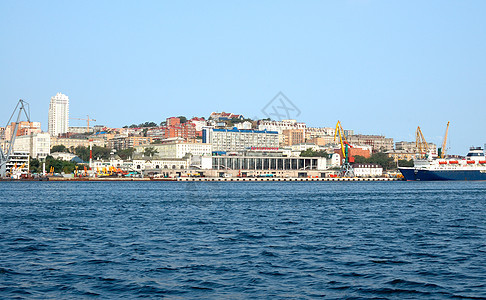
(268,163)
(367,170)
(37,144)
(19,160)
(58,121)
(233,140)
(177,150)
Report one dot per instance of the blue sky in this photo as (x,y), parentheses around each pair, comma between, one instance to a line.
(381,67)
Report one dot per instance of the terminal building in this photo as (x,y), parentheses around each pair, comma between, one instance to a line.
(236,140)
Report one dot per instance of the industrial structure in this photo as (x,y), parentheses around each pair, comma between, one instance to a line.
(8,147)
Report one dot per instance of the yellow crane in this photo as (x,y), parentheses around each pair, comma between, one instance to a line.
(346,168)
(442,150)
(87,121)
(421,143)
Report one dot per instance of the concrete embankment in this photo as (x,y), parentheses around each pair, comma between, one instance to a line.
(247,179)
(286,179)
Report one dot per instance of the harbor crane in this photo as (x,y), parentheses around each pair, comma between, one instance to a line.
(421,143)
(346,168)
(87,121)
(8,146)
(442,150)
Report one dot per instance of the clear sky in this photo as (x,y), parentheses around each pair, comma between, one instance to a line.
(381,67)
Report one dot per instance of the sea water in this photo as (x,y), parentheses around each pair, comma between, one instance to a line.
(241,240)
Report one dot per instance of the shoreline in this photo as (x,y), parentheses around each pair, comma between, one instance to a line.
(198,179)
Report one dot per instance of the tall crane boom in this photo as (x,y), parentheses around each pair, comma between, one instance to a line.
(87,121)
(444,142)
(9,144)
(346,169)
(421,143)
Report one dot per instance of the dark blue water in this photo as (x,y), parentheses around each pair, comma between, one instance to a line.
(395,240)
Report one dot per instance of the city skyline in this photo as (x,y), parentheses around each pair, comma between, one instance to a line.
(379,67)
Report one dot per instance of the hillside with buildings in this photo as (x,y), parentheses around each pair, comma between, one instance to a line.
(178,146)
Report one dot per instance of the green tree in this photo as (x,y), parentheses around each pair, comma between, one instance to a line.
(183,119)
(311,153)
(82,152)
(35,165)
(149,151)
(58,148)
(405,163)
(378,158)
(126,153)
(101,152)
(59,165)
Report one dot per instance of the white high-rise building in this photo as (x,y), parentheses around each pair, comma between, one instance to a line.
(58,115)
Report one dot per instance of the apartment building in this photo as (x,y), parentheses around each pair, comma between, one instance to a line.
(233,140)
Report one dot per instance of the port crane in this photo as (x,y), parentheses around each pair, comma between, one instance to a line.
(346,168)
(421,143)
(22,106)
(87,121)
(442,150)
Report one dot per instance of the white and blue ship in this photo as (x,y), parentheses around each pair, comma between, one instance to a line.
(472,167)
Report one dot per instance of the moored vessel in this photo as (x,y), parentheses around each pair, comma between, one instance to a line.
(472,167)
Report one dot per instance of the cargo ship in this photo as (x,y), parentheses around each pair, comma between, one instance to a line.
(472,167)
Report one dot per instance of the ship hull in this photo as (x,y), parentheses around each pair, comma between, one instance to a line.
(415,174)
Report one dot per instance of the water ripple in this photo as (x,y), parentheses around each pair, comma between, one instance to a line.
(211,240)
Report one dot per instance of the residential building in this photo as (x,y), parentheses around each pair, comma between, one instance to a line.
(401,155)
(223,116)
(79,129)
(58,121)
(319,132)
(244,125)
(231,140)
(23,128)
(187,131)
(172,121)
(293,136)
(198,123)
(121,143)
(379,143)
(412,148)
(280,126)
